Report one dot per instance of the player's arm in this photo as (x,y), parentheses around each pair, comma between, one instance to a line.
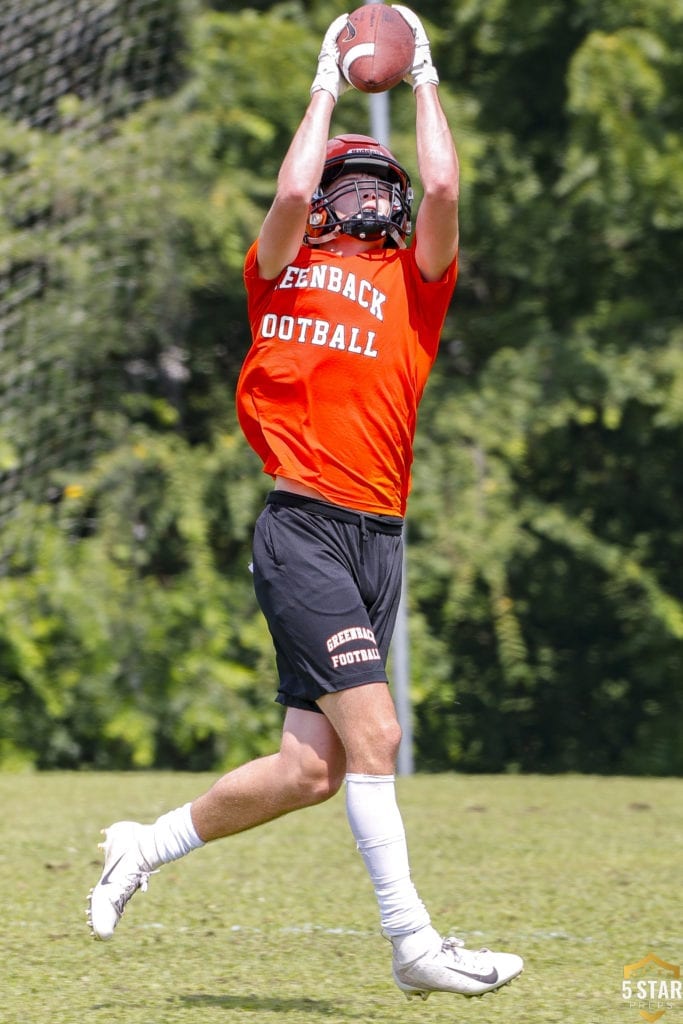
(436,227)
(282,231)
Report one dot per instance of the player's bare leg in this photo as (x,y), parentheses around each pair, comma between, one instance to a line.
(308,768)
(364,719)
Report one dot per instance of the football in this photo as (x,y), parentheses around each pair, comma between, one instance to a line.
(376,48)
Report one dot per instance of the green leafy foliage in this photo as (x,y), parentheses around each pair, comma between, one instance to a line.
(124,644)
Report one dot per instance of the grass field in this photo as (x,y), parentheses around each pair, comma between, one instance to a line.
(579,875)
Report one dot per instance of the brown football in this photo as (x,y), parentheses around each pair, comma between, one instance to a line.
(376,48)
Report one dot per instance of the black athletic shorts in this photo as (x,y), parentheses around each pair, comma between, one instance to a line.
(328,580)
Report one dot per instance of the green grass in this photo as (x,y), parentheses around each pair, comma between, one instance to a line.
(580,875)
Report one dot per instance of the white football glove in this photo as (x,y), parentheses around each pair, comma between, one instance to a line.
(423,70)
(328,75)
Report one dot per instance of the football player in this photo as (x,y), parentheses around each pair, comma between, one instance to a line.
(345,317)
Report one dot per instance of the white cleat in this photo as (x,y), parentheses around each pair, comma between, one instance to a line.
(456,969)
(125,871)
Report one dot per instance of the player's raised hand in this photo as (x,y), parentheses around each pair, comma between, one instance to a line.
(423,70)
(328,75)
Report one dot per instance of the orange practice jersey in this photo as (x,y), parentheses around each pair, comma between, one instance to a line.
(342,348)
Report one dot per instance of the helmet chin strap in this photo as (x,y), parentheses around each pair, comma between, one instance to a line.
(372,231)
(329,236)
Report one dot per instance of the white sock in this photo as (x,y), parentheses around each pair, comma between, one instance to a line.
(170,837)
(377,827)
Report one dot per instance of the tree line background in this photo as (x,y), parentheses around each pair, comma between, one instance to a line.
(545,529)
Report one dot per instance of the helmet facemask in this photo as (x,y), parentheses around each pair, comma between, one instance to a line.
(385,216)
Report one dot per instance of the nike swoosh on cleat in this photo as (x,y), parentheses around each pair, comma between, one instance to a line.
(485,979)
(104,880)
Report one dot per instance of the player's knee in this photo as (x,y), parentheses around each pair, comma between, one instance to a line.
(374,750)
(319,781)
(316,777)
(386,739)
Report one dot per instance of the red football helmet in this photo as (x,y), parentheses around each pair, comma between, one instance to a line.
(375,167)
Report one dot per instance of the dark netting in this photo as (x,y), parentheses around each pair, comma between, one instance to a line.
(110,56)
(117,52)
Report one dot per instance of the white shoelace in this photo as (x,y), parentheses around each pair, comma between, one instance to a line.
(451,944)
(135,880)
